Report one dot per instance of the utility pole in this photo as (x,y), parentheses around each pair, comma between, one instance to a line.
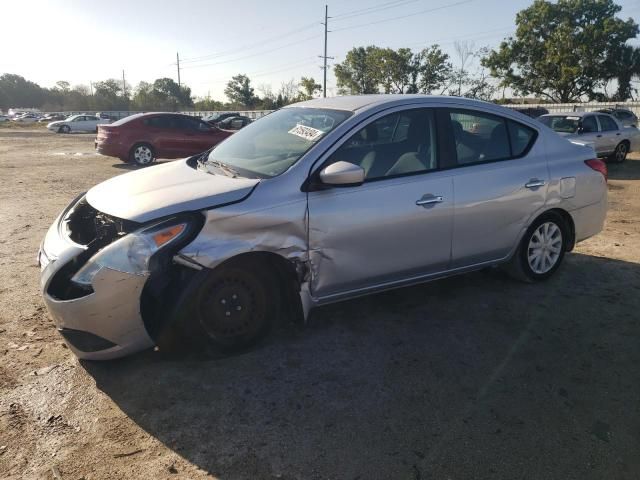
(178,64)
(324,83)
(124,85)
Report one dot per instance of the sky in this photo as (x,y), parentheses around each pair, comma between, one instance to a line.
(270,41)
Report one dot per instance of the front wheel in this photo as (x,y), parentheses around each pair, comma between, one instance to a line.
(541,249)
(142,154)
(64,129)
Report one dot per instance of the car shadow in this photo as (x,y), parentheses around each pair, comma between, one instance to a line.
(475,376)
(628,170)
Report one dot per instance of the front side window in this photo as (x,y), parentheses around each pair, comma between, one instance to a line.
(269,146)
(607,124)
(397,144)
(589,124)
(479,137)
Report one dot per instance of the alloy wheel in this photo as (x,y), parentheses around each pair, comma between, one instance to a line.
(545,248)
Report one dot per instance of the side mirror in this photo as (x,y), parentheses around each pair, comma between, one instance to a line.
(342,174)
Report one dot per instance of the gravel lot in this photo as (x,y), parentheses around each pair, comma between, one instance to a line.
(467,378)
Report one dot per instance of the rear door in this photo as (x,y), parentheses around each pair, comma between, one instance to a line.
(500,179)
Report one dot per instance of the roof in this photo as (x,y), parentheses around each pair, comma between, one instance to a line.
(357,102)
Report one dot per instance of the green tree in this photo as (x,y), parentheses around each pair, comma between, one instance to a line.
(309,88)
(358,74)
(625,65)
(433,71)
(240,91)
(561,51)
(16,91)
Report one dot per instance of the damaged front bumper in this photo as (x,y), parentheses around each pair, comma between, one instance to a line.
(101,323)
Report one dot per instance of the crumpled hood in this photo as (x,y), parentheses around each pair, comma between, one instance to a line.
(166,189)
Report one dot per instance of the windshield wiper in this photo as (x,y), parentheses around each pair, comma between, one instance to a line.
(228,170)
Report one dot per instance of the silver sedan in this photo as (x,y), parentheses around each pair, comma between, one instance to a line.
(315,203)
(609,138)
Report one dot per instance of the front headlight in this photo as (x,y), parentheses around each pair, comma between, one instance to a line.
(131,254)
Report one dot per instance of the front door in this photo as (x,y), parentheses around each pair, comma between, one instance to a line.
(397,225)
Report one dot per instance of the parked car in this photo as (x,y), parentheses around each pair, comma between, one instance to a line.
(317,202)
(4,118)
(624,116)
(52,117)
(234,123)
(144,137)
(77,123)
(215,118)
(26,118)
(607,136)
(533,112)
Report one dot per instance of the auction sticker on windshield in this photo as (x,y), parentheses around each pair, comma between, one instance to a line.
(308,133)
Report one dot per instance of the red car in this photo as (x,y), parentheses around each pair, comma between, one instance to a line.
(144,137)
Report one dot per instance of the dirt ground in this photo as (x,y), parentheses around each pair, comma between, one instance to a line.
(473,377)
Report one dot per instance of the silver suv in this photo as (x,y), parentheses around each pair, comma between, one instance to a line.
(318,202)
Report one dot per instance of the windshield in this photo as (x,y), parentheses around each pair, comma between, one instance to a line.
(269,146)
(562,123)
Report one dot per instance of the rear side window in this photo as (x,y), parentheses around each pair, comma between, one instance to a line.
(482,137)
(607,124)
(521,138)
(479,137)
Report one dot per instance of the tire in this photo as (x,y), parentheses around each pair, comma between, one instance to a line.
(230,309)
(142,154)
(64,129)
(619,155)
(534,264)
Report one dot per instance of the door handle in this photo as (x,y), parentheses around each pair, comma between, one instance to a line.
(535,183)
(618,133)
(429,200)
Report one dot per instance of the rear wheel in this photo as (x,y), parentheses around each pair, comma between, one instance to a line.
(541,249)
(142,154)
(620,153)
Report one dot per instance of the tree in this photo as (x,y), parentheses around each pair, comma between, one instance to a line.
(433,69)
(464,51)
(240,91)
(357,74)
(394,68)
(625,65)
(309,88)
(561,51)
(16,91)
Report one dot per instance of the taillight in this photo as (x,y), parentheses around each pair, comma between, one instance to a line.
(598,165)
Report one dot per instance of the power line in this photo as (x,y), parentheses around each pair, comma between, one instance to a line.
(254,54)
(280,68)
(373,9)
(429,10)
(225,53)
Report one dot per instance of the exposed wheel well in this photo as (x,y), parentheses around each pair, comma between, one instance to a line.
(287,275)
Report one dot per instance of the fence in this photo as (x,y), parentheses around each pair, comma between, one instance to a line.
(578,107)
